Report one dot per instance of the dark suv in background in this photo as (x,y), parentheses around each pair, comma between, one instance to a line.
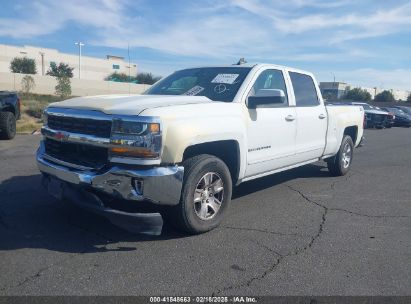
(9,113)
(402,119)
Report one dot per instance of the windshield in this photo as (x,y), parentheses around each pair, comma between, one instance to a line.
(406,110)
(219,83)
(395,110)
(365,106)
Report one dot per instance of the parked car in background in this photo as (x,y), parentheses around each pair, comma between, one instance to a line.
(390,119)
(402,119)
(405,109)
(9,113)
(374,118)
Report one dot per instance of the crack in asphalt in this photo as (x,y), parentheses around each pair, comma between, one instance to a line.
(332,186)
(368,215)
(297,251)
(44,269)
(267,248)
(280,257)
(347,177)
(40,272)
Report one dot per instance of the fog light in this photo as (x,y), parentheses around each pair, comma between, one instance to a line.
(138,184)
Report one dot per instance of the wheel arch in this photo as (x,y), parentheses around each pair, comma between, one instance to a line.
(226,150)
(351,131)
(9,108)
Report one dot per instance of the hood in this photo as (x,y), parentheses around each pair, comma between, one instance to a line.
(128,104)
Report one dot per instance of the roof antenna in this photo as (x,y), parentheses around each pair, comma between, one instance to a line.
(241,61)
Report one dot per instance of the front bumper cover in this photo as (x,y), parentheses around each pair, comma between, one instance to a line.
(159,185)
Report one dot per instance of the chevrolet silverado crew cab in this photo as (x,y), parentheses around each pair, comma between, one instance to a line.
(187,140)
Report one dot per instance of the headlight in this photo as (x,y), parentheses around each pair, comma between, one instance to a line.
(135,139)
(44,117)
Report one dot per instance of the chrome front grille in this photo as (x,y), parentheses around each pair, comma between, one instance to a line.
(78,138)
(78,154)
(88,126)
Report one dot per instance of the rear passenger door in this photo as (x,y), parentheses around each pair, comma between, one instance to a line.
(311,117)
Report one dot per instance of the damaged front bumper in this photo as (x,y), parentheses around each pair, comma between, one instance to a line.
(157,185)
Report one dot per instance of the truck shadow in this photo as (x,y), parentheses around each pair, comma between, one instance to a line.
(309,171)
(30,218)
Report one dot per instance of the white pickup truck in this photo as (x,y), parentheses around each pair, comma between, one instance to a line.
(185,142)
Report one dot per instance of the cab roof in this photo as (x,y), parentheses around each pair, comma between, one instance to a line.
(253,66)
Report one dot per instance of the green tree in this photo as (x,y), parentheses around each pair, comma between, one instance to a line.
(357,94)
(409,98)
(60,70)
(27,84)
(63,87)
(386,96)
(147,78)
(23,65)
(120,77)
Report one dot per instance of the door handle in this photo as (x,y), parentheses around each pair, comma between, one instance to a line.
(322,116)
(289,118)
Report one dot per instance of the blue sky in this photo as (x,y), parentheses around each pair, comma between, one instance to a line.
(362,42)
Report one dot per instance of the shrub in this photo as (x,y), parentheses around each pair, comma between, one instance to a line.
(27,84)
(119,77)
(34,108)
(147,78)
(23,65)
(63,87)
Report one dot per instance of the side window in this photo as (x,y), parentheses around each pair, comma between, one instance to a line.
(270,79)
(304,90)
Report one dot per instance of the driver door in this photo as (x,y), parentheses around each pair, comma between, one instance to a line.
(271,128)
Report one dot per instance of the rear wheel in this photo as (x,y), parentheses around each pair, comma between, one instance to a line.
(205,196)
(340,164)
(7,125)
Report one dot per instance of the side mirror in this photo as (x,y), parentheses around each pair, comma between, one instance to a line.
(266,97)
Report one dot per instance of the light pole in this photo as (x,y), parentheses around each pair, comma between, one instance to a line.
(333,87)
(129,66)
(80,44)
(42,63)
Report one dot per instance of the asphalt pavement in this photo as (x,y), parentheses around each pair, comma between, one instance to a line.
(300,232)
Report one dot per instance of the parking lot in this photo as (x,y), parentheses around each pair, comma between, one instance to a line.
(300,232)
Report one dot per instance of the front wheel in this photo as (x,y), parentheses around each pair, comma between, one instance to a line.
(205,196)
(340,164)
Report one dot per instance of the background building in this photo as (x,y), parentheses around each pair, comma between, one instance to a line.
(336,90)
(92,68)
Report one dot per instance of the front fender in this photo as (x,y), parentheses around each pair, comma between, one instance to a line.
(183,133)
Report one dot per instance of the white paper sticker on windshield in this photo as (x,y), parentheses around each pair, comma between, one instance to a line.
(225,78)
(194,91)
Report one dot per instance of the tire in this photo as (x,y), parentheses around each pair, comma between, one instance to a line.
(340,164)
(7,125)
(198,210)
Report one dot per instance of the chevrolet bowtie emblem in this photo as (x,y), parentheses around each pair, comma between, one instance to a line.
(61,136)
